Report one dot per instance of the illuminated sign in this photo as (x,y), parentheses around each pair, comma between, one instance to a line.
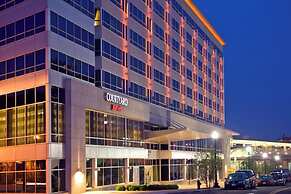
(115,99)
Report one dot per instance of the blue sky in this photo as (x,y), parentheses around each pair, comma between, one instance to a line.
(257,63)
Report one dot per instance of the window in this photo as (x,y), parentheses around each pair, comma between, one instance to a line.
(8,4)
(137,65)
(176,85)
(159,32)
(137,40)
(113,53)
(72,66)
(23,176)
(189,93)
(175,25)
(22,114)
(57,114)
(189,56)
(199,65)
(137,14)
(112,23)
(158,9)
(87,7)
(189,74)
(22,28)
(58,175)
(137,91)
(175,105)
(158,99)
(189,110)
(175,65)
(159,77)
(200,98)
(64,27)
(112,81)
(189,38)
(159,54)
(200,81)
(175,45)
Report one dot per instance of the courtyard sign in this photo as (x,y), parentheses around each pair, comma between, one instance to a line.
(115,99)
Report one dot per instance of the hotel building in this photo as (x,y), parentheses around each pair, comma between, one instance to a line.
(106,92)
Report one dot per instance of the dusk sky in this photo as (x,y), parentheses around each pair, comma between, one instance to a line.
(257,63)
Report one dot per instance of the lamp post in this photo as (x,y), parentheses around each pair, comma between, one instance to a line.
(215,136)
(249,150)
(265,156)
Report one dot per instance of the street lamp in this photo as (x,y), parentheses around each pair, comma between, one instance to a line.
(265,156)
(215,136)
(277,158)
(249,150)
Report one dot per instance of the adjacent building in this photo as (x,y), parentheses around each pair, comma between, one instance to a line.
(261,155)
(106,92)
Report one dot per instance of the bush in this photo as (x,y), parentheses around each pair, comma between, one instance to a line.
(162,187)
(120,188)
(132,188)
(143,187)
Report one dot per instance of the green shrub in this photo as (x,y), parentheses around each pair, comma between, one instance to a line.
(142,187)
(162,187)
(132,188)
(120,188)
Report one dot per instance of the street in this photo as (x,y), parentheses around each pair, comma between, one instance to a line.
(259,190)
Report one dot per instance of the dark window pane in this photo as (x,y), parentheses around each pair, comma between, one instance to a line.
(85,69)
(40,19)
(10,65)
(70,28)
(54,94)
(40,56)
(2,33)
(2,68)
(29,23)
(54,19)
(54,57)
(29,60)
(3,102)
(84,35)
(20,63)
(77,32)
(62,95)
(20,98)
(30,96)
(10,100)
(20,26)
(10,30)
(40,94)
(62,60)
(78,66)
(62,23)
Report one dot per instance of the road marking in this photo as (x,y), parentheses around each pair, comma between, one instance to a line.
(280,190)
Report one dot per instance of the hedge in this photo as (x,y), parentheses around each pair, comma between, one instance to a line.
(145,187)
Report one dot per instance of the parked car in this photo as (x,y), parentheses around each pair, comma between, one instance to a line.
(279,178)
(251,175)
(237,180)
(286,173)
(266,180)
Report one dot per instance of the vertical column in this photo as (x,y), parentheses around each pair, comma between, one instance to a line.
(204,71)
(213,66)
(182,62)
(126,176)
(124,44)
(94,172)
(149,14)
(167,53)
(221,84)
(195,70)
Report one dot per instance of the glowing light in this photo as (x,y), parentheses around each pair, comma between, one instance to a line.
(249,149)
(265,155)
(79,177)
(277,157)
(214,135)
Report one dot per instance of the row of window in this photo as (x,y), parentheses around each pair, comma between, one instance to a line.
(137,40)
(23,97)
(27,63)
(137,66)
(72,66)
(23,177)
(22,28)
(137,91)
(5,4)
(85,6)
(113,24)
(137,14)
(113,53)
(71,31)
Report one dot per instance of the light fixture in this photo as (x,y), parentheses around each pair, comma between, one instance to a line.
(277,157)
(249,149)
(265,155)
(214,135)
(79,177)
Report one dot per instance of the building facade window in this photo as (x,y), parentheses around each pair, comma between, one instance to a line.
(137,91)
(22,28)
(158,9)
(159,32)
(137,14)
(159,54)
(71,66)
(57,114)
(21,65)
(175,85)
(23,177)
(137,66)
(137,40)
(113,53)
(159,77)
(58,175)
(22,117)
(112,81)
(71,31)
(87,7)
(111,23)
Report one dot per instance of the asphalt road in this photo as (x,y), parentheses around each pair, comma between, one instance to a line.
(259,190)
